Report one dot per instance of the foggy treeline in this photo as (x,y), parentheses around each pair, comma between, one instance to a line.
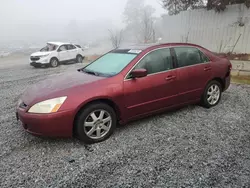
(31,23)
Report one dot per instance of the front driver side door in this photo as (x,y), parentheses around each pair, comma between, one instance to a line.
(63,54)
(156,90)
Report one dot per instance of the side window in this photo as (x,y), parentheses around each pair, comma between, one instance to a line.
(187,56)
(63,48)
(71,47)
(156,61)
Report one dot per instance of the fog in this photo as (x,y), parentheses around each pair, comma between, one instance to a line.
(32,22)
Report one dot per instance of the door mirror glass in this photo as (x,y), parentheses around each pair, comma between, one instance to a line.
(139,73)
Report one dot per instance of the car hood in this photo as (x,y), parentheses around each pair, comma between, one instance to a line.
(40,53)
(53,85)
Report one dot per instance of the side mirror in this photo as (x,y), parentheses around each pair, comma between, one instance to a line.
(59,50)
(138,73)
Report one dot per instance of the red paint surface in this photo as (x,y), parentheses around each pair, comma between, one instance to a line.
(133,98)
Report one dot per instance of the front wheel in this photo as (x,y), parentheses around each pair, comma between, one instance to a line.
(54,62)
(79,59)
(95,123)
(212,94)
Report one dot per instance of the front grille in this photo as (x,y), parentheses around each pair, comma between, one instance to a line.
(34,58)
(23,105)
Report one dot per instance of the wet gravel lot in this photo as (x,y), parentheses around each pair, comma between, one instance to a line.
(190,147)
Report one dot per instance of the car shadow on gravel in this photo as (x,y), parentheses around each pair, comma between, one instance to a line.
(49,67)
(171,112)
(60,142)
(120,128)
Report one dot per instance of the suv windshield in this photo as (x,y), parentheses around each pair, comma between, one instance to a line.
(78,46)
(110,64)
(49,48)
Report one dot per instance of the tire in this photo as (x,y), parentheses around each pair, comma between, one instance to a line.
(79,59)
(212,94)
(93,130)
(54,62)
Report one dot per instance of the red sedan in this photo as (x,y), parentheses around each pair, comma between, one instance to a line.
(123,85)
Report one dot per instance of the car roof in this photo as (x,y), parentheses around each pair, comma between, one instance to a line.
(58,43)
(146,46)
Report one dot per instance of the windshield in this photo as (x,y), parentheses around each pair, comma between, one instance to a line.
(49,48)
(110,64)
(78,46)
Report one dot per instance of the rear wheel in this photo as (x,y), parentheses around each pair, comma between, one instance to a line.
(95,123)
(54,62)
(212,94)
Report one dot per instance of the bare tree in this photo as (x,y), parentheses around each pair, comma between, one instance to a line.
(140,21)
(176,6)
(116,38)
(148,25)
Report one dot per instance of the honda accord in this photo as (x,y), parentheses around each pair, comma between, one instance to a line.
(123,85)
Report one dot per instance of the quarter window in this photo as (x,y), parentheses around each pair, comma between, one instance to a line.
(187,56)
(156,61)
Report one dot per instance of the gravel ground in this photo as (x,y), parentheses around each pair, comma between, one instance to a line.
(190,147)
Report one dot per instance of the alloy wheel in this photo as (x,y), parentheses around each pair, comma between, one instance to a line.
(54,63)
(213,94)
(97,124)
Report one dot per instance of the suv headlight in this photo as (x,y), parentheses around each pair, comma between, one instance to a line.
(48,106)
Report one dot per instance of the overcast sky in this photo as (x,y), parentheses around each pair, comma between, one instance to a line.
(26,11)
(24,19)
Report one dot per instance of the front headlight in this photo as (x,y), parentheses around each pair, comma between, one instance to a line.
(48,106)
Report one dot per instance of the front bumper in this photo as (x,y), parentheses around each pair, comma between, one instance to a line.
(39,63)
(35,64)
(58,124)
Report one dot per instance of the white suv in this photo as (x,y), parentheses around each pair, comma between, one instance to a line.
(55,53)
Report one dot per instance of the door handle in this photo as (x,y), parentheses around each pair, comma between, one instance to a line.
(207,68)
(170,78)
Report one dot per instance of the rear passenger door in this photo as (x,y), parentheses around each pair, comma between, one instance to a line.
(72,51)
(194,71)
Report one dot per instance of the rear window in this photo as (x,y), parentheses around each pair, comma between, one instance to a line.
(71,47)
(187,56)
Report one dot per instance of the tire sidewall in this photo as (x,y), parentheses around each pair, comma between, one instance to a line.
(205,102)
(77,59)
(79,124)
(52,60)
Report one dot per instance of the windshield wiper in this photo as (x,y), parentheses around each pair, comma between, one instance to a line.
(89,72)
(95,73)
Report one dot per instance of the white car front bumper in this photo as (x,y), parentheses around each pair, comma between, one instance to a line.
(39,61)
